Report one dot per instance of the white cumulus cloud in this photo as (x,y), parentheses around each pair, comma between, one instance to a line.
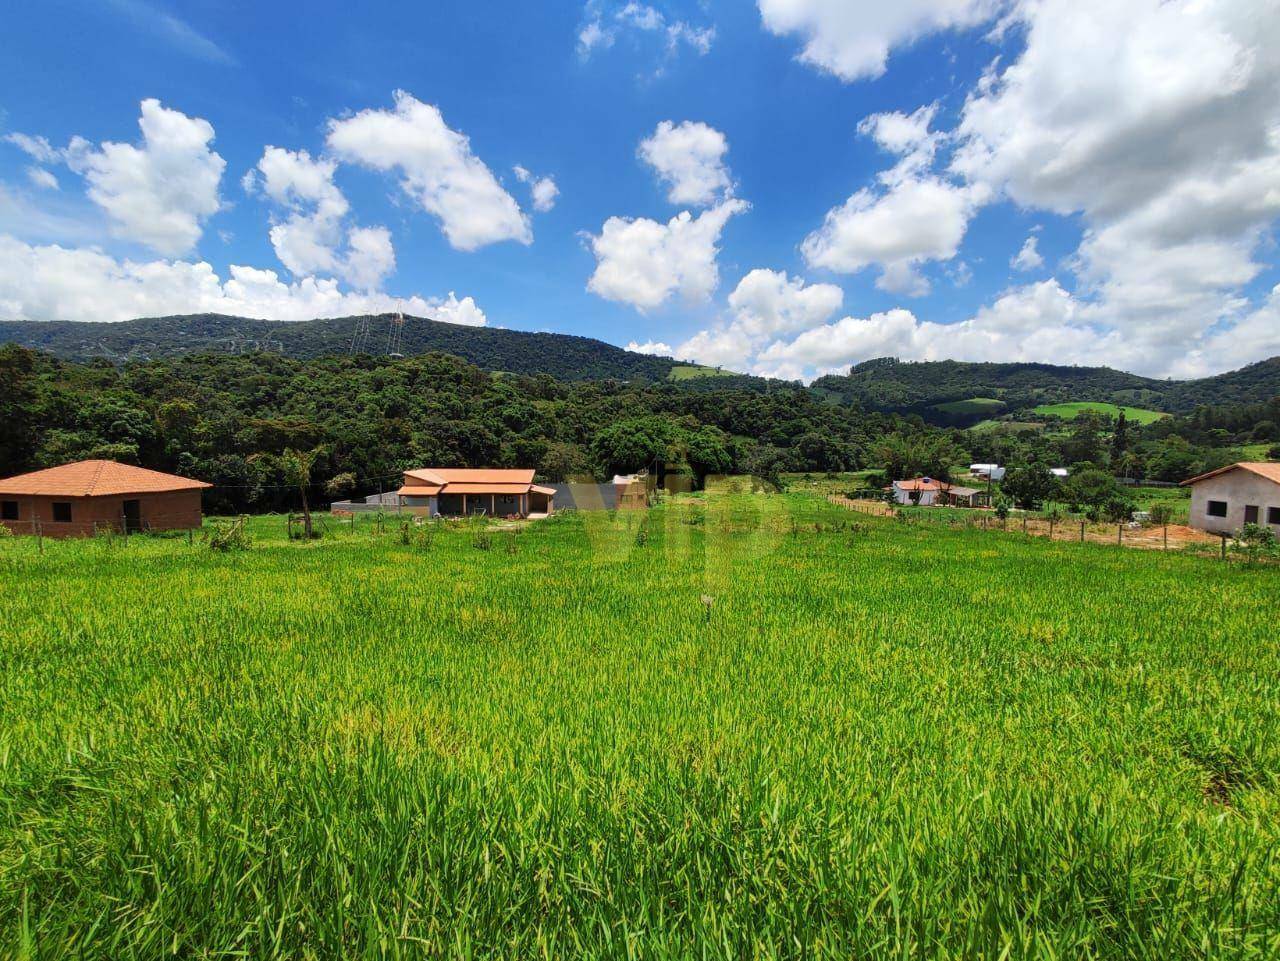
(44,179)
(852,39)
(1156,121)
(654,347)
(53,282)
(911,217)
(689,158)
(643,262)
(1028,258)
(765,305)
(36,147)
(542,190)
(604,22)
(161,191)
(438,170)
(309,239)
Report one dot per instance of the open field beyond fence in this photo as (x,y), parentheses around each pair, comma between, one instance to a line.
(1068,528)
(736,726)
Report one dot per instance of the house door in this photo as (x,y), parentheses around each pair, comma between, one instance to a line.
(1251,513)
(132,516)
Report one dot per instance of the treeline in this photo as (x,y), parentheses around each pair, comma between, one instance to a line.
(228,419)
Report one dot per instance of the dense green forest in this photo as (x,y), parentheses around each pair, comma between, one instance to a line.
(562,356)
(893,385)
(227,419)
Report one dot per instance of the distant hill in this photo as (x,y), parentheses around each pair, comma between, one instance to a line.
(563,356)
(940,388)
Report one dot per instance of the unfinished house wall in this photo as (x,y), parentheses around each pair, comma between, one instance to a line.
(1239,490)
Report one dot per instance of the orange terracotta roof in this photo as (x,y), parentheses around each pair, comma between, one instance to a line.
(539,489)
(425,476)
(468,480)
(1269,470)
(97,478)
(920,484)
(411,491)
(453,488)
(483,475)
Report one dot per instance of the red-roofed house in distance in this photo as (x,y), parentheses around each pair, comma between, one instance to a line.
(1224,500)
(93,495)
(459,491)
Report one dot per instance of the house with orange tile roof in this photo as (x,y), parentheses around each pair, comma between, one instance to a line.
(89,496)
(1224,500)
(928,492)
(459,491)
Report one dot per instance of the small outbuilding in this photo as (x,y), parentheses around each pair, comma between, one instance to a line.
(631,491)
(1224,500)
(94,495)
(964,497)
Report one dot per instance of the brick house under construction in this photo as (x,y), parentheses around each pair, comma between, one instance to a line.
(94,495)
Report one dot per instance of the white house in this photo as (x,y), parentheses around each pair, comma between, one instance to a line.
(987,471)
(923,491)
(1224,500)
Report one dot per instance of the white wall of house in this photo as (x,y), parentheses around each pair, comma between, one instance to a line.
(903,496)
(1239,490)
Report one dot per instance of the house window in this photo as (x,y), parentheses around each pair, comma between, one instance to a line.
(1251,513)
(1216,509)
(1273,515)
(62,512)
(8,510)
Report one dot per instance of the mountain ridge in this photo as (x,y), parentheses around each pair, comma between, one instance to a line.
(889,384)
(564,356)
(882,384)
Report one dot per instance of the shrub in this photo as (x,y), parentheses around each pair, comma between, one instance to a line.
(225,536)
(1255,541)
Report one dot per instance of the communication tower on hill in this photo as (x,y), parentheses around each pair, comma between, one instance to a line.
(395,336)
(360,337)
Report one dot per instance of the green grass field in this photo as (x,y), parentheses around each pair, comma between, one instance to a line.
(692,372)
(974,406)
(877,740)
(1137,415)
(1006,425)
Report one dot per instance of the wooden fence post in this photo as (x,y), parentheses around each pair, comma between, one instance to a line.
(1224,546)
(1166,537)
(1082,532)
(1119,534)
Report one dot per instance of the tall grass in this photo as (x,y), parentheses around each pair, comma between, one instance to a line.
(875,741)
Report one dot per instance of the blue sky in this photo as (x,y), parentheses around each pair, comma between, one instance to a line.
(1133,152)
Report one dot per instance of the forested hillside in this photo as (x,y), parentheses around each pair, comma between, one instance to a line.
(560,355)
(225,419)
(892,385)
(228,418)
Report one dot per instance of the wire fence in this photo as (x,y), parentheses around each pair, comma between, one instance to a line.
(1068,528)
(151,523)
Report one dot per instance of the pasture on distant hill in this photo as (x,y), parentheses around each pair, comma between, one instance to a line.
(1070,411)
(976,406)
(737,725)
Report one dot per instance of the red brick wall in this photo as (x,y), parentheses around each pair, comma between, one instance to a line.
(176,510)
